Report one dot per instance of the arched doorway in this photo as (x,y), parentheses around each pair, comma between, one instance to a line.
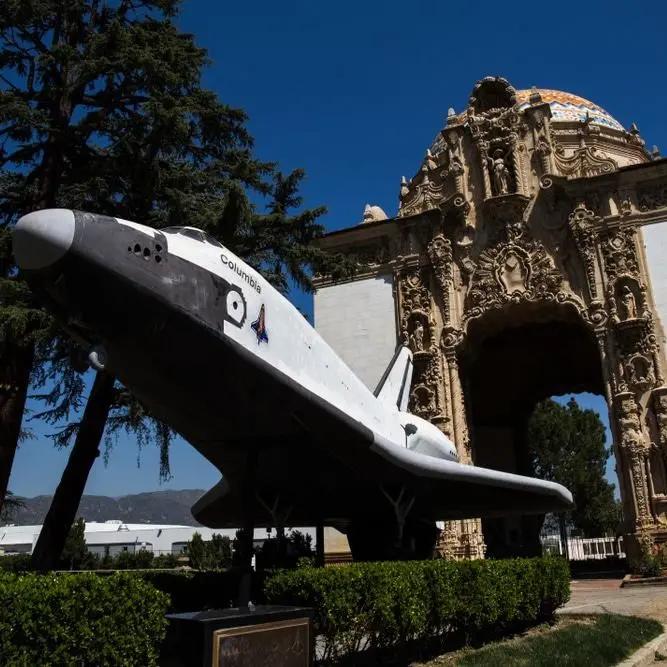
(512,360)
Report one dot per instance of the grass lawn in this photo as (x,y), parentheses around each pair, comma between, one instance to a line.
(592,641)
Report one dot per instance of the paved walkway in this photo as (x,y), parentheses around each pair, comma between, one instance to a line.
(595,596)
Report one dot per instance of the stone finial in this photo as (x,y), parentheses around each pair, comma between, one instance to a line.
(535,97)
(655,153)
(634,136)
(451,112)
(404,187)
(373,213)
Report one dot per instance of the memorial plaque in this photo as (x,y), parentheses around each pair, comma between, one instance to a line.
(285,643)
(278,636)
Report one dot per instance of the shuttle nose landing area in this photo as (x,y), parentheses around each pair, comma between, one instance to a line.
(42,238)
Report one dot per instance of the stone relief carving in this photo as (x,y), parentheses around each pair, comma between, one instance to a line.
(500,174)
(628,304)
(660,411)
(580,224)
(544,151)
(417,337)
(440,253)
(423,401)
(639,372)
(515,269)
(417,331)
(584,161)
(375,254)
(634,449)
(461,540)
(624,203)
(652,197)
(620,254)
(496,146)
(440,176)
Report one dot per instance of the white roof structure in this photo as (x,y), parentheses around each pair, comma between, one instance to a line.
(114,536)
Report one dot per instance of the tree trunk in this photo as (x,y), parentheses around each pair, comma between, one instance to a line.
(16,360)
(319,543)
(65,503)
(562,525)
(15,367)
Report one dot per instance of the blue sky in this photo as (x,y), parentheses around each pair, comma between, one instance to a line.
(355,92)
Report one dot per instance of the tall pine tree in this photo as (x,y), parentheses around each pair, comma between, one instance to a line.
(103,110)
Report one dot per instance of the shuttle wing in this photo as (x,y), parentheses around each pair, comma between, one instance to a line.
(445,489)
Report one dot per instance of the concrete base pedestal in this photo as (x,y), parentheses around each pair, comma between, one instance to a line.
(240,637)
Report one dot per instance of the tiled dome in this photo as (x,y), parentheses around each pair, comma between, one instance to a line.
(569,107)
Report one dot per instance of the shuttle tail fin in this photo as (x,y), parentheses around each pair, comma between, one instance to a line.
(394,387)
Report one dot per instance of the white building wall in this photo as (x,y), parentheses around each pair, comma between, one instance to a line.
(358,320)
(112,537)
(655,243)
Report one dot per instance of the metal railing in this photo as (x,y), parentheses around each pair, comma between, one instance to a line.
(584,548)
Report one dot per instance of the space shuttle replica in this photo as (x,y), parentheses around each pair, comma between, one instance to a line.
(218,354)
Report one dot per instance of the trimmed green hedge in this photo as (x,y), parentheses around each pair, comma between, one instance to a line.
(379,605)
(80,619)
(195,591)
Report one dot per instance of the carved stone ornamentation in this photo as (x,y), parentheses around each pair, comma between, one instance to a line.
(628,304)
(440,176)
(423,401)
(372,254)
(581,222)
(639,372)
(440,253)
(496,140)
(660,411)
(515,270)
(373,213)
(451,339)
(635,450)
(620,253)
(418,332)
(652,197)
(596,315)
(500,173)
(461,540)
(584,161)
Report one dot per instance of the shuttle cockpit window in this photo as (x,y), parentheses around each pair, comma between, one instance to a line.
(193,233)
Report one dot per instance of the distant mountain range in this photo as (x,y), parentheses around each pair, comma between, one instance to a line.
(166,507)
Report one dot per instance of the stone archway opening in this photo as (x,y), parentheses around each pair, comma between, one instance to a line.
(512,360)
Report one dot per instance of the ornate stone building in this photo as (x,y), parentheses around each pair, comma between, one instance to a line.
(516,270)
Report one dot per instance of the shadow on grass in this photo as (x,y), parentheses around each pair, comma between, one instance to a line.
(421,651)
(572,641)
(594,641)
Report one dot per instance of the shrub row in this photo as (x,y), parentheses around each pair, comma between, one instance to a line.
(80,619)
(380,605)
(125,560)
(188,590)
(193,591)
